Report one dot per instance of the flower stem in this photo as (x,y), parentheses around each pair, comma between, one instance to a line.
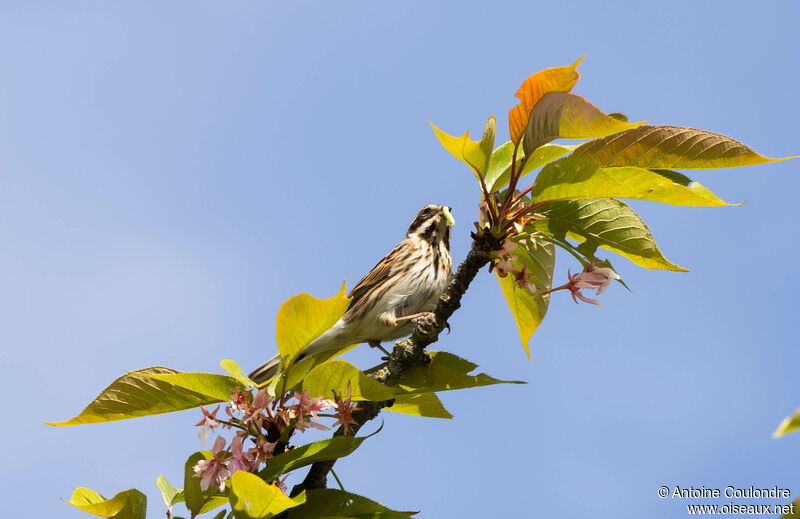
(337,479)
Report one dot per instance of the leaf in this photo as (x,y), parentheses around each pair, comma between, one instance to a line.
(789,424)
(330,449)
(198,501)
(474,153)
(237,372)
(670,147)
(527,310)
(558,79)
(606,223)
(568,116)
(169,494)
(574,178)
(446,372)
(335,374)
(303,318)
(419,404)
(499,172)
(252,498)
(212,385)
(128,504)
(136,394)
(328,502)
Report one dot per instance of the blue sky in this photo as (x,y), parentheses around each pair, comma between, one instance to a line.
(170,173)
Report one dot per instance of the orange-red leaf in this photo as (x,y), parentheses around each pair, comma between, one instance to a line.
(558,79)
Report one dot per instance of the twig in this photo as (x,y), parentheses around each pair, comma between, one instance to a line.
(411,352)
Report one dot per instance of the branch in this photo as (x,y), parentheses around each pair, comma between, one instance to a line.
(411,352)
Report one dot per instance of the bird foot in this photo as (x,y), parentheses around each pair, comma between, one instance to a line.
(415,318)
(377,344)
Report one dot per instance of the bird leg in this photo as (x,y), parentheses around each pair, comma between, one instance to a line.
(413,317)
(377,344)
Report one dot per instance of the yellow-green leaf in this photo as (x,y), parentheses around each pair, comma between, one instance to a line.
(137,394)
(128,504)
(322,450)
(574,178)
(419,404)
(474,153)
(499,172)
(446,372)
(606,223)
(169,494)
(237,372)
(212,385)
(669,147)
(252,498)
(789,424)
(328,503)
(568,116)
(558,79)
(336,374)
(303,318)
(527,310)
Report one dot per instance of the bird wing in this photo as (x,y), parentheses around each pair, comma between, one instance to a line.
(374,278)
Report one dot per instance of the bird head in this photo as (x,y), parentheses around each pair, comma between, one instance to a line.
(432,224)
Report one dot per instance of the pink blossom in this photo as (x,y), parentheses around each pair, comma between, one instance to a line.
(503,264)
(597,278)
(521,279)
(240,460)
(214,470)
(239,398)
(312,406)
(281,483)
(308,406)
(263,449)
(344,408)
(209,422)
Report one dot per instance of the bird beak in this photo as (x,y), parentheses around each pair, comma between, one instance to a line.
(448,216)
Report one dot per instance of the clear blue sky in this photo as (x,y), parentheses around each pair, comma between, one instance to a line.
(171,172)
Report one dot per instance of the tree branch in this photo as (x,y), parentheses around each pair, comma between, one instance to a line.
(411,352)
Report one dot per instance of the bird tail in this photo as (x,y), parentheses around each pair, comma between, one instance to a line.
(267,370)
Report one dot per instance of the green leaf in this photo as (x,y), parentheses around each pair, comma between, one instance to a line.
(533,89)
(499,172)
(212,385)
(330,503)
(419,404)
(335,374)
(198,501)
(669,147)
(446,372)
(527,310)
(568,116)
(128,504)
(237,372)
(606,223)
(253,498)
(475,153)
(137,394)
(330,449)
(169,494)
(573,178)
(789,424)
(303,318)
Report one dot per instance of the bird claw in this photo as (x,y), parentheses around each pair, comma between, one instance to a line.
(422,317)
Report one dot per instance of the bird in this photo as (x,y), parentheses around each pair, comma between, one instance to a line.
(404,285)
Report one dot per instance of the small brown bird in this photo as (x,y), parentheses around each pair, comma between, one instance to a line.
(404,285)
